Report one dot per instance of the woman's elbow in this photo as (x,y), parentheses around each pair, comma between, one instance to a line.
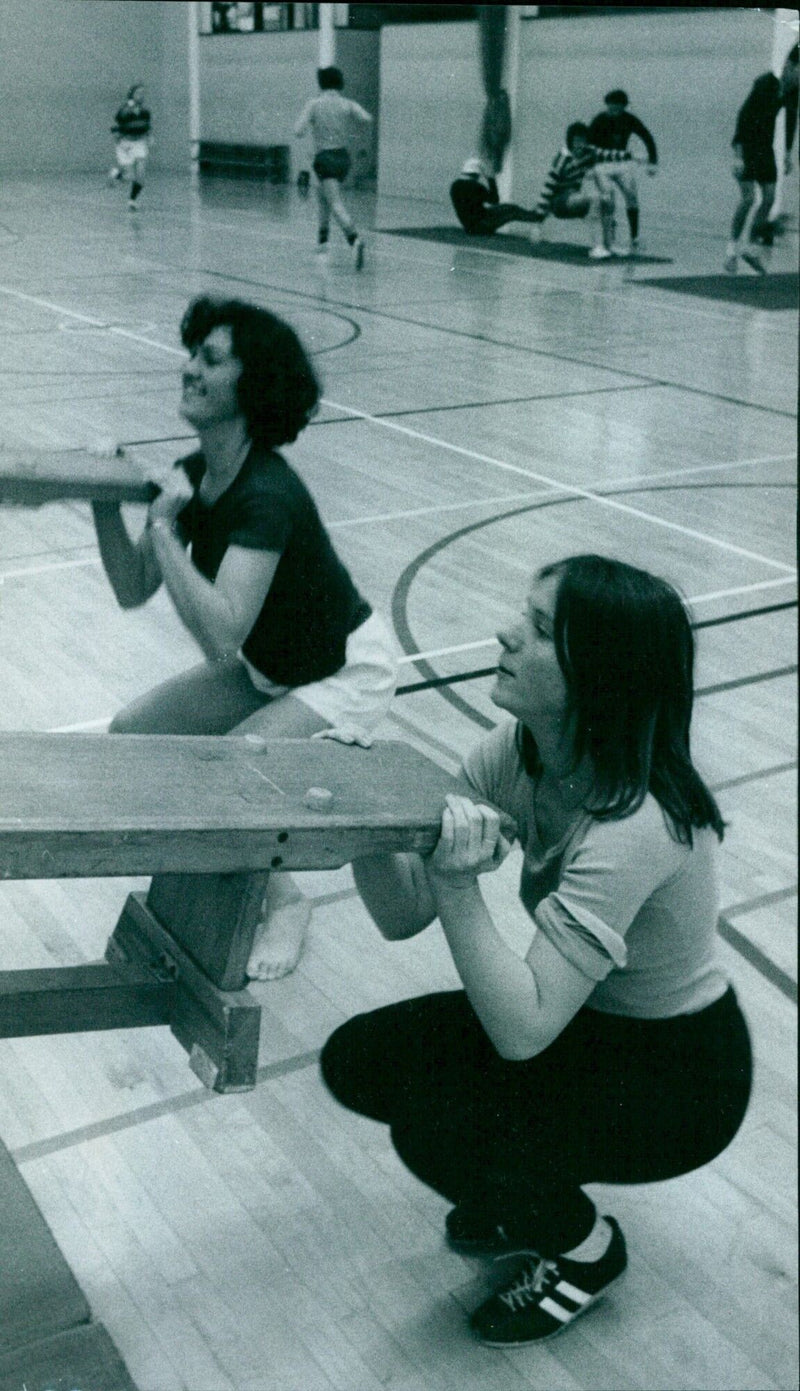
(130,598)
(521,1046)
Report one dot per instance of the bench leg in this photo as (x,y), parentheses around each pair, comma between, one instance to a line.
(218,1024)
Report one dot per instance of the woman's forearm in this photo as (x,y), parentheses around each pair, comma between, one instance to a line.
(202,608)
(131,568)
(500,985)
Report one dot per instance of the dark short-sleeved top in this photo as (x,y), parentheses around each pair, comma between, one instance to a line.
(755,130)
(312,605)
(612,132)
(130,124)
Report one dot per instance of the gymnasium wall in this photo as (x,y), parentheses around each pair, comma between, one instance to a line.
(687,72)
(67,65)
(254,86)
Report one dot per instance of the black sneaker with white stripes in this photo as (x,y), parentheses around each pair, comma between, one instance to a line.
(547,1295)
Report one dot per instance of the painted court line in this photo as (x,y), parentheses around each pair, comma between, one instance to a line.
(625,485)
(139,1115)
(545,479)
(560,486)
(88,319)
(742,589)
(46,568)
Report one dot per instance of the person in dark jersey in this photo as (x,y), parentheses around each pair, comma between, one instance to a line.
(597,1039)
(789,93)
(132,130)
(612,129)
(291,648)
(754,169)
(476,200)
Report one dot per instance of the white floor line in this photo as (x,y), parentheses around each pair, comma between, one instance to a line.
(445,507)
(83,727)
(45,569)
(87,319)
(561,486)
(632,483)
(695,599)
(434,509)
(435,442)
(446,651)
(408,659)
(741,589)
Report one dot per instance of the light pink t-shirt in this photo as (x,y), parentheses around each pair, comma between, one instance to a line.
(623,901)
(331,117)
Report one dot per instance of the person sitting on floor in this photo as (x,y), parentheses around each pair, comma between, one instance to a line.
(476,200)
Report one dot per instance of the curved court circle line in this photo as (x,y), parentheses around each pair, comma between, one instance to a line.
(519,347)
(323,309)
(402,589)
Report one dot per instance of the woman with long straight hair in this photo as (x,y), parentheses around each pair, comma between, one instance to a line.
(613,1050)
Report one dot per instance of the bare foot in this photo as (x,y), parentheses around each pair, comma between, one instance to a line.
(279,939)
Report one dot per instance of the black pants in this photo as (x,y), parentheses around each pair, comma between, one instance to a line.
(612,1100)
(480,217)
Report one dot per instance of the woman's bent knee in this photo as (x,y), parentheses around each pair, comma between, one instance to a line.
(335,1061)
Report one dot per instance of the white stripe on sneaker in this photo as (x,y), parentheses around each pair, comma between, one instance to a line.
(572,1292)
(555,1311)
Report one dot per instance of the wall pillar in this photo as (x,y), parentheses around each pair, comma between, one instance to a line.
(505,178)
(193,58)
(327,36)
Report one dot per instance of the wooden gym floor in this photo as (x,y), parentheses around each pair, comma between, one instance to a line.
(484,413)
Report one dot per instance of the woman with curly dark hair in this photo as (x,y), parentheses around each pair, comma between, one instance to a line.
(608,1047)
(291,647)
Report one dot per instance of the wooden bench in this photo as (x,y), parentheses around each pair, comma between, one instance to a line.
(269,162)
(47,1337)
(209,818)
(30,477)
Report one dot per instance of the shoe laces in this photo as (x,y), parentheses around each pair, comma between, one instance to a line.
(531,1282)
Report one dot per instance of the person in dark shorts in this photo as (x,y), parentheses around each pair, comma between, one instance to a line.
(612,130)
(330,117)
(767,229)
(476,201)
(754,169)
(291,648)
(603,1043)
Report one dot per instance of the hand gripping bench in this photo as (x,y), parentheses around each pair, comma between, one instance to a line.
(209,819)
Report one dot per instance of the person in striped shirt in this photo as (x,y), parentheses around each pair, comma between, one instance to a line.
(572,189)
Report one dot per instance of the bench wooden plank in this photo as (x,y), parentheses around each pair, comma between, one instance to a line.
(70,999)
(89,805)
(32,476)
(39,1295)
